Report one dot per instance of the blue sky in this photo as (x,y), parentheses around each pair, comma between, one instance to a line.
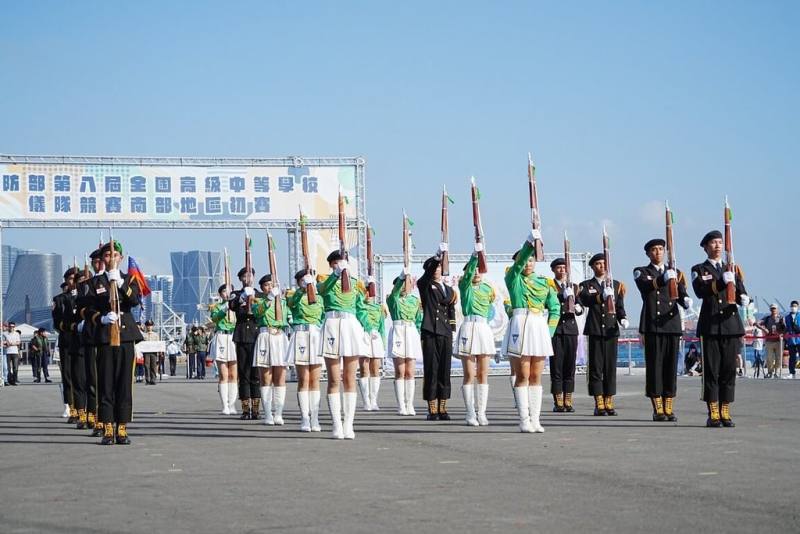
(623,104)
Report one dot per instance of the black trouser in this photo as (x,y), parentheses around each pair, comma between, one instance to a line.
(36,365)
(151,366)
(437,352)
(249,381)
(13,368)
(562,364)
(173,364)
(78,373)
(201,364)
(65,364)
(90,364)
(114,381)
(44,363)
(190,361)
(794,351)
(602,365)
(719,367)
(661,364)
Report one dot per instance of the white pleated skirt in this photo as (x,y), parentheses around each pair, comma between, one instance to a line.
(304,346)
(270,349)
(528,335)
(342,336)
(404,341)
(374,342)
(475,337)
(222,348)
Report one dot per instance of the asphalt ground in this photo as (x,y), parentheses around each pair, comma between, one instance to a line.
(190,469)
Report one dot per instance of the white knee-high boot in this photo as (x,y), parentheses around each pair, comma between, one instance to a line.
(523,408)
(278,401)
(400,394)
(409,396)
(266,400)
(349,400)
(233,394)
(223,397)
(374,386)
(483,399)
(468,392)
(313,408)
(335,407)
(535,399)
(363,387)
(302,402)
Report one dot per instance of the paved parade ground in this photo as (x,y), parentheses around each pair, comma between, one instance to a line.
(192,470)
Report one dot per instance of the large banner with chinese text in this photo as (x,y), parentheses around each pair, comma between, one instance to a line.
(130,192)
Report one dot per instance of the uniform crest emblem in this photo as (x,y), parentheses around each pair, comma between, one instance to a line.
(331,340)
(302,350)
(463,341)
(515,337)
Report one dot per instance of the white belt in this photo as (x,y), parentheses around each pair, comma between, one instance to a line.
(526,311)
(338,315)
(301,327)
(268,330)
(403,323)
(475,319)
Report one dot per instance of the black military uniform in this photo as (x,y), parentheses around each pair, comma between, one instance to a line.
(438,324)
(244,336)
(661,328)
(65,322)
(565,347)
(720,330)
(114,363)
(89,348)
(602,329)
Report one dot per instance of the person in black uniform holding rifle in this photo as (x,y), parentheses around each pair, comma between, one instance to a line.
(565,341)
(719,328)
(438,324)
(114,362)
(65,322)
(244,337)
(661,328)
(88,339)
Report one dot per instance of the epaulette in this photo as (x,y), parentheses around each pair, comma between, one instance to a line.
(681,277)
(322,277)
(739,271)
(552,283)
(290,292)
(361,287)
(622,289)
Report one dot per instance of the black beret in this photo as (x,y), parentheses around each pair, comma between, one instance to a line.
(597,257)
(556,262)
(264,279)
(431,263)
(148,323)
(653,243)
(72,271)
(64,285)
(95,254)
(244,270)
(300,274)
(713,234)
(107,247)
(221,288)
(336,255)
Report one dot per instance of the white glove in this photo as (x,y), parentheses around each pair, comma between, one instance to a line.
(745,300)
(728,277)
(578,308)
(534,235)
(109,318)
(307,279)
(371,280)
(80,326)
(624,323)
(687,303)
(341,265)
(248,292)
(275,291)
(608,292)
(670,274)
(568,292)
(478,247)
(406,271)
(73,292)
(443,247)
(115,276)
(447,281)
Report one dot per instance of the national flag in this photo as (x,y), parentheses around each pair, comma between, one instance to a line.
(137,276)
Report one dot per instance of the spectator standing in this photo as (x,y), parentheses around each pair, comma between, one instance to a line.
(775,327)
(150,358)
(188,348)
(40,356)
(201,350)
(11,342)
(3,356)
(173,351)
(792,322)
(758,351)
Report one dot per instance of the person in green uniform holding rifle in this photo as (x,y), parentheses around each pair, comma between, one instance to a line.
(372,320)
(270,312)
(223,351)
(405,346)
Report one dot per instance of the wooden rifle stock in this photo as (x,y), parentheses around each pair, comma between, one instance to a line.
(445,235)
(730,289)
(611,305)
(409,287)
(476,223)
(536,220)
(672,286)
(568,268)
(311,290)
(273,272)
(345,276)
(371,289)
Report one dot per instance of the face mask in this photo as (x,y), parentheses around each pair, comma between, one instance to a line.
(794,309)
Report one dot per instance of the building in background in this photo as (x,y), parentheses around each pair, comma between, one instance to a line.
(196,276)
(10,255)
(34,281)
(158,282)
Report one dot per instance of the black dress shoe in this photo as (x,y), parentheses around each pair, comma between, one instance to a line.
(599,413)
(569,409)
(97,432)
(557,408)
(727,423)
(36,381)
(611,411)
(444,416)
(123,440)
(672,418)
(713,423)
(48,380)
(107,440)
(245,416)
(659,417)
(80,425)
(433,417)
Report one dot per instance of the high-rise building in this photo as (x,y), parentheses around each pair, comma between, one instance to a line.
(196,276)
(10,255)
(158,282)
(35,280)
